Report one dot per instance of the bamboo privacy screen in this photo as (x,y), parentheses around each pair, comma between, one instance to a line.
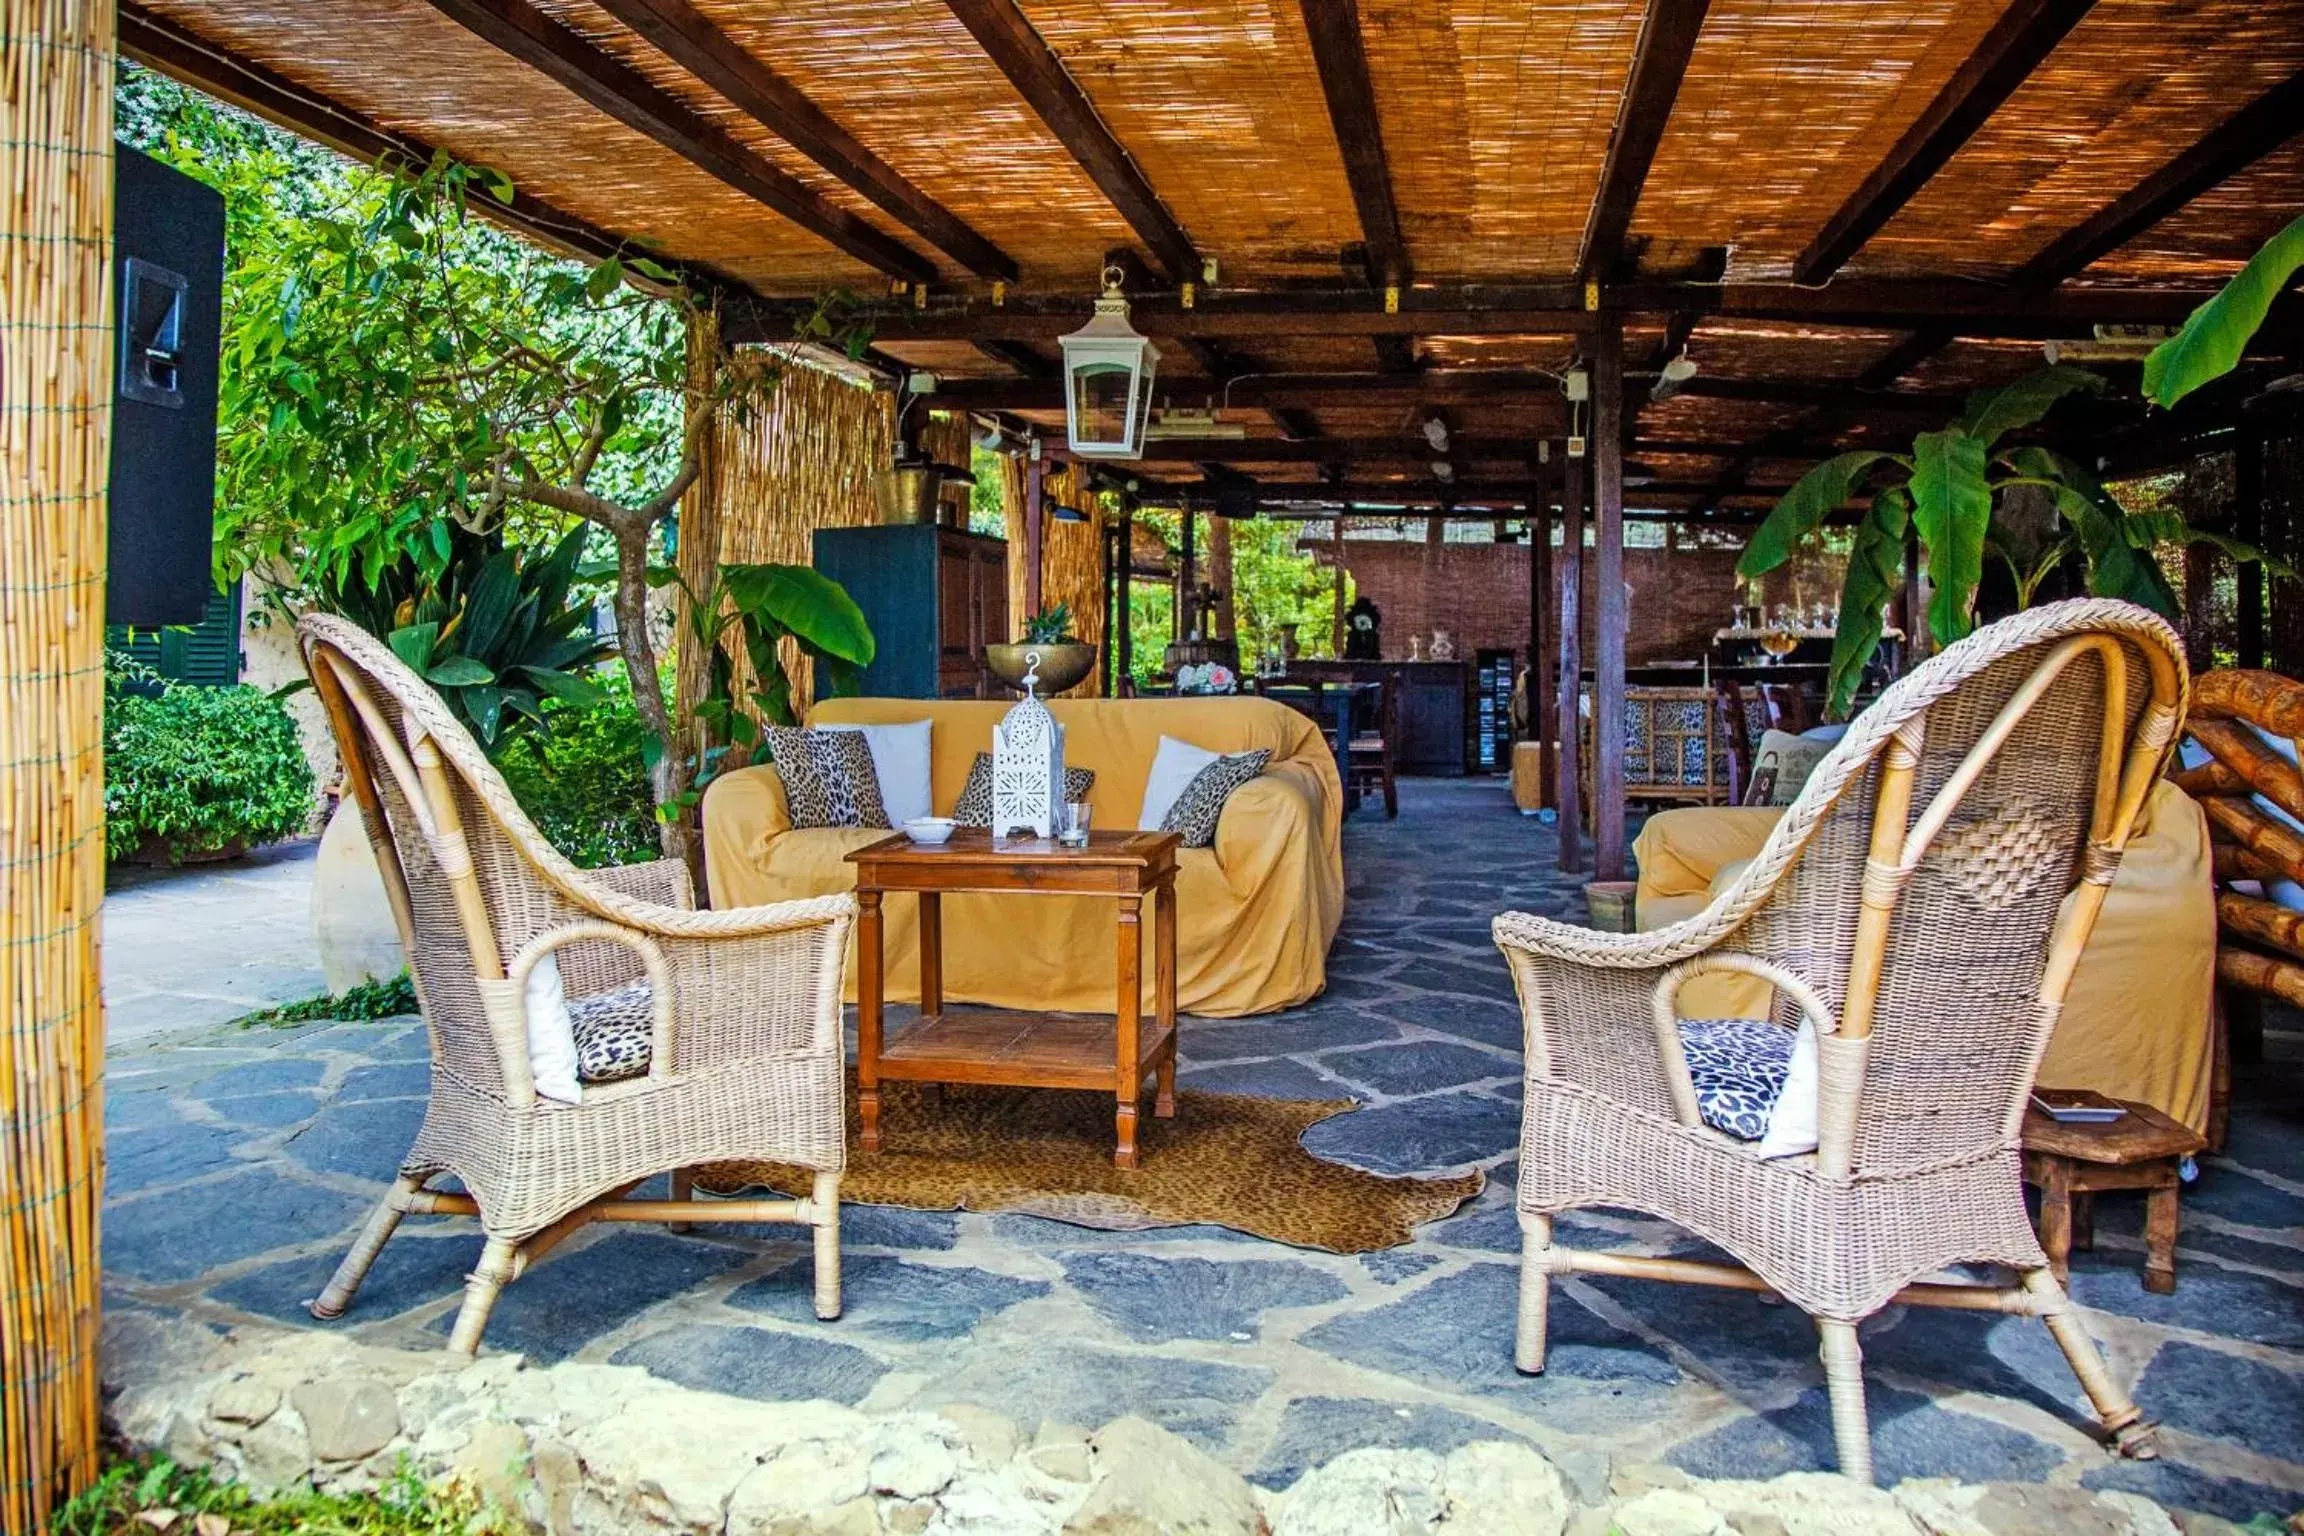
(1071,556)
(55,404)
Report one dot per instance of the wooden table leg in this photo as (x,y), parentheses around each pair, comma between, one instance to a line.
(2160,1238)
(2056,1215)
(1128,1084)
(2083,1221)
(931,955)
(1164,994)
(868,989)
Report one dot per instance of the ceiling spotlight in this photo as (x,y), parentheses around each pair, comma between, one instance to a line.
(1675,372)
(1443,470)
(1633,472)
(1436,433)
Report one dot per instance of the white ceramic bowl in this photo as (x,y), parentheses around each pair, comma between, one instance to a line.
(930,829)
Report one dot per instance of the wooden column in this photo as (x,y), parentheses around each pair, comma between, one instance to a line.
(1224,621)
(1541,700)
(1611,612)
(1336,555)
(1187,586)
(2248,528)
(1124,683)
(1568,793)
(55,429)
(1035,531)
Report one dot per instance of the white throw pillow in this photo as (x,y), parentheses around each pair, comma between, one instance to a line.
(1174,766)
(900,758)
(551,1034)
(1792,1121)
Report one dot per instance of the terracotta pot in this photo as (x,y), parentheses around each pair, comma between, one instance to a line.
(1060,665)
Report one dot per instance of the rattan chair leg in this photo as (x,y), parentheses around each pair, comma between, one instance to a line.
(1535,1293)
(1844,1381)
(333,1301)
(824,1212)
(498,1263)
(2132,1435)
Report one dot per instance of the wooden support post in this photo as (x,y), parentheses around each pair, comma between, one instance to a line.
(1223,618)
(1611,611)
(1187,621)
(55,421)
(1108,540)
(2248,528)
(1569,793)
(1035,529)
(1542,704)
(1124,685)
(1336,623)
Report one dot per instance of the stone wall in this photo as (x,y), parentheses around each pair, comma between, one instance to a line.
(1479,592)
(575,1449)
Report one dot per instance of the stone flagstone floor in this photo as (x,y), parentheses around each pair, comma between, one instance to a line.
(242,1161)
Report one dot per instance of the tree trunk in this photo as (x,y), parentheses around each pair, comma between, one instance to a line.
(633,639)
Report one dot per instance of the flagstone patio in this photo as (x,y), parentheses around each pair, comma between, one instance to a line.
(241,1161)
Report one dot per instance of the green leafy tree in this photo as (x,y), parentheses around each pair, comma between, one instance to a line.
(1953,491)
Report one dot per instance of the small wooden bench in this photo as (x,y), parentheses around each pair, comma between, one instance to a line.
(2069,1164)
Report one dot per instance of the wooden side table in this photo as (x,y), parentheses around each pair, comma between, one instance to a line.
(1009,1046)
(2070,1163)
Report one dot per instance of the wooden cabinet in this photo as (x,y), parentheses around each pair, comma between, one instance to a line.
(935,597)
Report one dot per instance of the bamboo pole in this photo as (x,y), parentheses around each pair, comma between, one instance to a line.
(55,427)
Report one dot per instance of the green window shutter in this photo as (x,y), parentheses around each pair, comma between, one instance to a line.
(206,654)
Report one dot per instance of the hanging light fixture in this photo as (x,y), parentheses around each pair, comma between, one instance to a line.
(1108,372)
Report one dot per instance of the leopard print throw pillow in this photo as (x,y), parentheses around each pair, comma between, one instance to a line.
(1201,806)
(828,777)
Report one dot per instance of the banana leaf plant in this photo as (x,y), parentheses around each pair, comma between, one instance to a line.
(2213,338)
(757,607)
(496,630)
(1947,490)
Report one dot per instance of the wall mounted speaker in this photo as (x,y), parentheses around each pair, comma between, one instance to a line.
(168,298)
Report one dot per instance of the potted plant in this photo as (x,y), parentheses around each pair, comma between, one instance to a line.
(1049,648)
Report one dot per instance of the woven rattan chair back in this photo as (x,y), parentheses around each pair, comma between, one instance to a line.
(1923,902)
(746,1058)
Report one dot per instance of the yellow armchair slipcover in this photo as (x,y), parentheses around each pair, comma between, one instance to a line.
(1255,913)
(2137,1022)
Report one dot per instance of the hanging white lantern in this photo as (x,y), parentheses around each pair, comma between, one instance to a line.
(1108,371)
(1028,764)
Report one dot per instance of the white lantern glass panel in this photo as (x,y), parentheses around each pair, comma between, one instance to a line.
(1100,408)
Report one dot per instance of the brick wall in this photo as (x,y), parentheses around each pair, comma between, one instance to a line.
(1479,592)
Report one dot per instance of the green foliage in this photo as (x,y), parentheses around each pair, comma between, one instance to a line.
(584,781)
(130,1497)
(495,630)
(1274,583)
(369,1000)
(1050,626)
(2217,333)
(195,771)
(1949,491)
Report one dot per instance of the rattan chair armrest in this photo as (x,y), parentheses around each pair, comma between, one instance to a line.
(661,882)
(506,1001)
(734,922)
(1647,950)
(1666,1013)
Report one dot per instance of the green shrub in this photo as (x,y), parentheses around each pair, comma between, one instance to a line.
(193,771)
(584,781)
(143,1497)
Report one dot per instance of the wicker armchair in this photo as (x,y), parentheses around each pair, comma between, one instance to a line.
(745,1059)
(1908,904)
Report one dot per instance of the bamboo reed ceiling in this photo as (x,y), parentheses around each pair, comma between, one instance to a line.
(1183,132)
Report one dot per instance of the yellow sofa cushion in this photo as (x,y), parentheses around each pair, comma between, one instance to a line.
(1255,913)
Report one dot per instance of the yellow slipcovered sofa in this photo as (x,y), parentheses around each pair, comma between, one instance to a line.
(1255,913)
(2137,1023)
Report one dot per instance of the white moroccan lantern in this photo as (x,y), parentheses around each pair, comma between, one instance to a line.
(1108,380)
(1028,764)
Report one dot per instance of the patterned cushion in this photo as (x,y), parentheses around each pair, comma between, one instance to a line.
(615,1033)
(975,806)
(1201,806)
(829,780)
(1739,1066)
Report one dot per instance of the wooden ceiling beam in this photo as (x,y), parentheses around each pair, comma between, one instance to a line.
(2233,145)
(1017,355)
(690,39)
(2024,35)
(1659,62)
(1470,387)
(1406,449)
(614,87)
(1903,357)
(1004,33)
(1334,26)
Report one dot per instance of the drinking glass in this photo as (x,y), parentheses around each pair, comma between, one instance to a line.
(1074,832)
